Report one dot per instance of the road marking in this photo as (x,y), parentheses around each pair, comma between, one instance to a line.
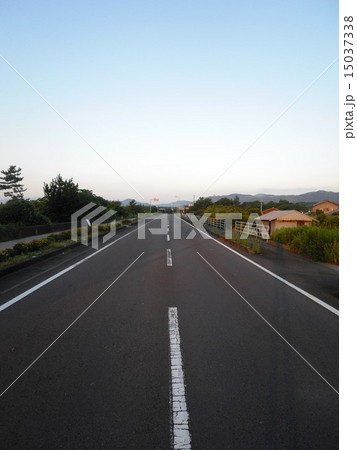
(291,285)
(14,286)
(268,323)
(169,257)
(180,431)
(71,324)
(59,274)
(168,237)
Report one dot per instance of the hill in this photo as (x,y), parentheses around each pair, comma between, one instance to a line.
(308,197)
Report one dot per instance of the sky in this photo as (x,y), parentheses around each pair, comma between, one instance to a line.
(167,95)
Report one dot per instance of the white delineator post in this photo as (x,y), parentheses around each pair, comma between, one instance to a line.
(180,431)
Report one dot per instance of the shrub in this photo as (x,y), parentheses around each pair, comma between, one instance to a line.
(63,236)
(21,212)
(20,247)
(6,254)
(28,248)
(37,244)
(328,221)
(319,244)
(9,231)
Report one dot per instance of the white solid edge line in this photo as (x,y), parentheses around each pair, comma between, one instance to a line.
(71,324)
(268,323)
(310,296)
(169,257)
(180,432)
(59,274)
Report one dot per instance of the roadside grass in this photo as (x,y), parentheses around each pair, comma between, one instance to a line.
(319,244)
(10,260)
(251,244)
(24,251)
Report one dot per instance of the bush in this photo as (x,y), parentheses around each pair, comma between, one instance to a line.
(24,248)
(9,231)
(317,243)
(63,236)
(21,212)
(17,211)
(32,246)
(37,244)
(41,219)
(328,221)
(6,254)
(20,247)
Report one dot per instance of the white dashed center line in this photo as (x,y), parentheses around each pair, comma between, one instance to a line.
(180,431)
(169,257)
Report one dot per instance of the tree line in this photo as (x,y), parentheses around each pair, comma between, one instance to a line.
(61,199)
(206,205)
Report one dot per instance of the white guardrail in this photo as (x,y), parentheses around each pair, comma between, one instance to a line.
(251,228)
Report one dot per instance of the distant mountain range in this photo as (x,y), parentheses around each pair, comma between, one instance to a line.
(308,197)
(163,205)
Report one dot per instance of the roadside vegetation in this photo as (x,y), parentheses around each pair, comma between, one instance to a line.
(20,217)
(23,251)
(226,205)
(44,215)
(319,243)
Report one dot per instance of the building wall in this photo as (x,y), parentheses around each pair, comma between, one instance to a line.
(325,207)
(278,224)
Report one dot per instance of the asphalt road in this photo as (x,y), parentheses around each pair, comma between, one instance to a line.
(93,355)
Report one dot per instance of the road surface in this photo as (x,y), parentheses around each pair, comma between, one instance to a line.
(162,343)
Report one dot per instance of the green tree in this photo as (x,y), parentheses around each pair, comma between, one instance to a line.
(284,205)
(255,204)
(11,183)
(236,201)
(62,199)
(222,209)
(20,211)
(86,196)
(201,205)
(224,201)
(116,206)
(134,207)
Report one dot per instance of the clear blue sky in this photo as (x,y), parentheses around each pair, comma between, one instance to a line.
(170,93)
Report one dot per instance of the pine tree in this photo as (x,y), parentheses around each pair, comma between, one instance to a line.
(11,183)
(62,199)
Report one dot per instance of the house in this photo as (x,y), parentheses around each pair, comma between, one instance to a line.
(325,206)
(275,220)
(266,211)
